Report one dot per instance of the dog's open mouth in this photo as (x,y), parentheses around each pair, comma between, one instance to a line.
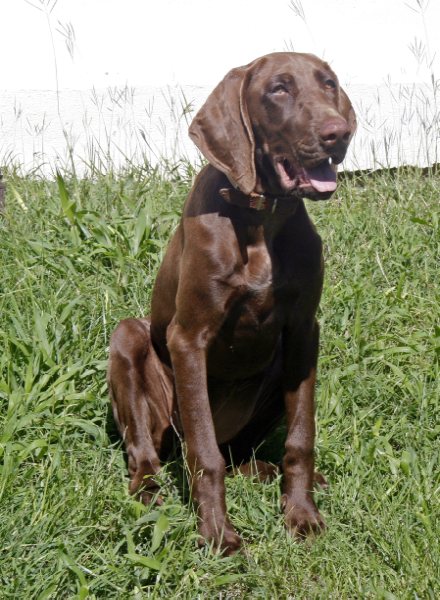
(320,178)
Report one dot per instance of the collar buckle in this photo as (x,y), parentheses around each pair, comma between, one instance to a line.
(258,201)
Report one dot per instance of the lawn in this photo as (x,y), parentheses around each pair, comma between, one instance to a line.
(76,256)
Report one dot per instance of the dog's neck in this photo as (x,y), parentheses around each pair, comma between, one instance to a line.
(256,201)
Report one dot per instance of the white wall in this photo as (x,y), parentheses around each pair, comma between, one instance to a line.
(145,59)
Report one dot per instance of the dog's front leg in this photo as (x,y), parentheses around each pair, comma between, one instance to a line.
(300,359)
(188,350)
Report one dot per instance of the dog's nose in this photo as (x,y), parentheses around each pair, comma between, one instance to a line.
(334,133)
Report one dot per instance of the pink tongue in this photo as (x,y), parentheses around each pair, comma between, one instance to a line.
(322,178)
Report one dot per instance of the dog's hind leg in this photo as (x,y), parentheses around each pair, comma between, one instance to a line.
(141,390)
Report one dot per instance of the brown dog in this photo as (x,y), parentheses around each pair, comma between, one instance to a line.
(232,342)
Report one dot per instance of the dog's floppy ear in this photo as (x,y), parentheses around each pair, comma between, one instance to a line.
(222,131)
(347,111)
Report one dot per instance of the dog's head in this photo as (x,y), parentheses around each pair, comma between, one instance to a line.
(279,125)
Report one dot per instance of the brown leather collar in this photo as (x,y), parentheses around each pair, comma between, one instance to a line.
(257,201)
(253,200)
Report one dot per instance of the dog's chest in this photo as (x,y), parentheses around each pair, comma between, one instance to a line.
(249,335)
(255,310)
(258,272)
(255,316)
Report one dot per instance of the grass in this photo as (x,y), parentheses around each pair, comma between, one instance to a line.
(79,255)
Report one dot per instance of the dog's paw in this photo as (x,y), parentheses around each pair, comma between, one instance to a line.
(258,469)
(227,542)
(145,489)
(150,497)
(320,481)
(301,516)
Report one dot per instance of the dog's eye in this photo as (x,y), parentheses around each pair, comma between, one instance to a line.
(279,89)
(330,84)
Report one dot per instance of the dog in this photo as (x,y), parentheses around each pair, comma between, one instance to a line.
(231,344)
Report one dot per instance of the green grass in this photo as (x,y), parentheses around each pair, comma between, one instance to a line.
(76,257)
